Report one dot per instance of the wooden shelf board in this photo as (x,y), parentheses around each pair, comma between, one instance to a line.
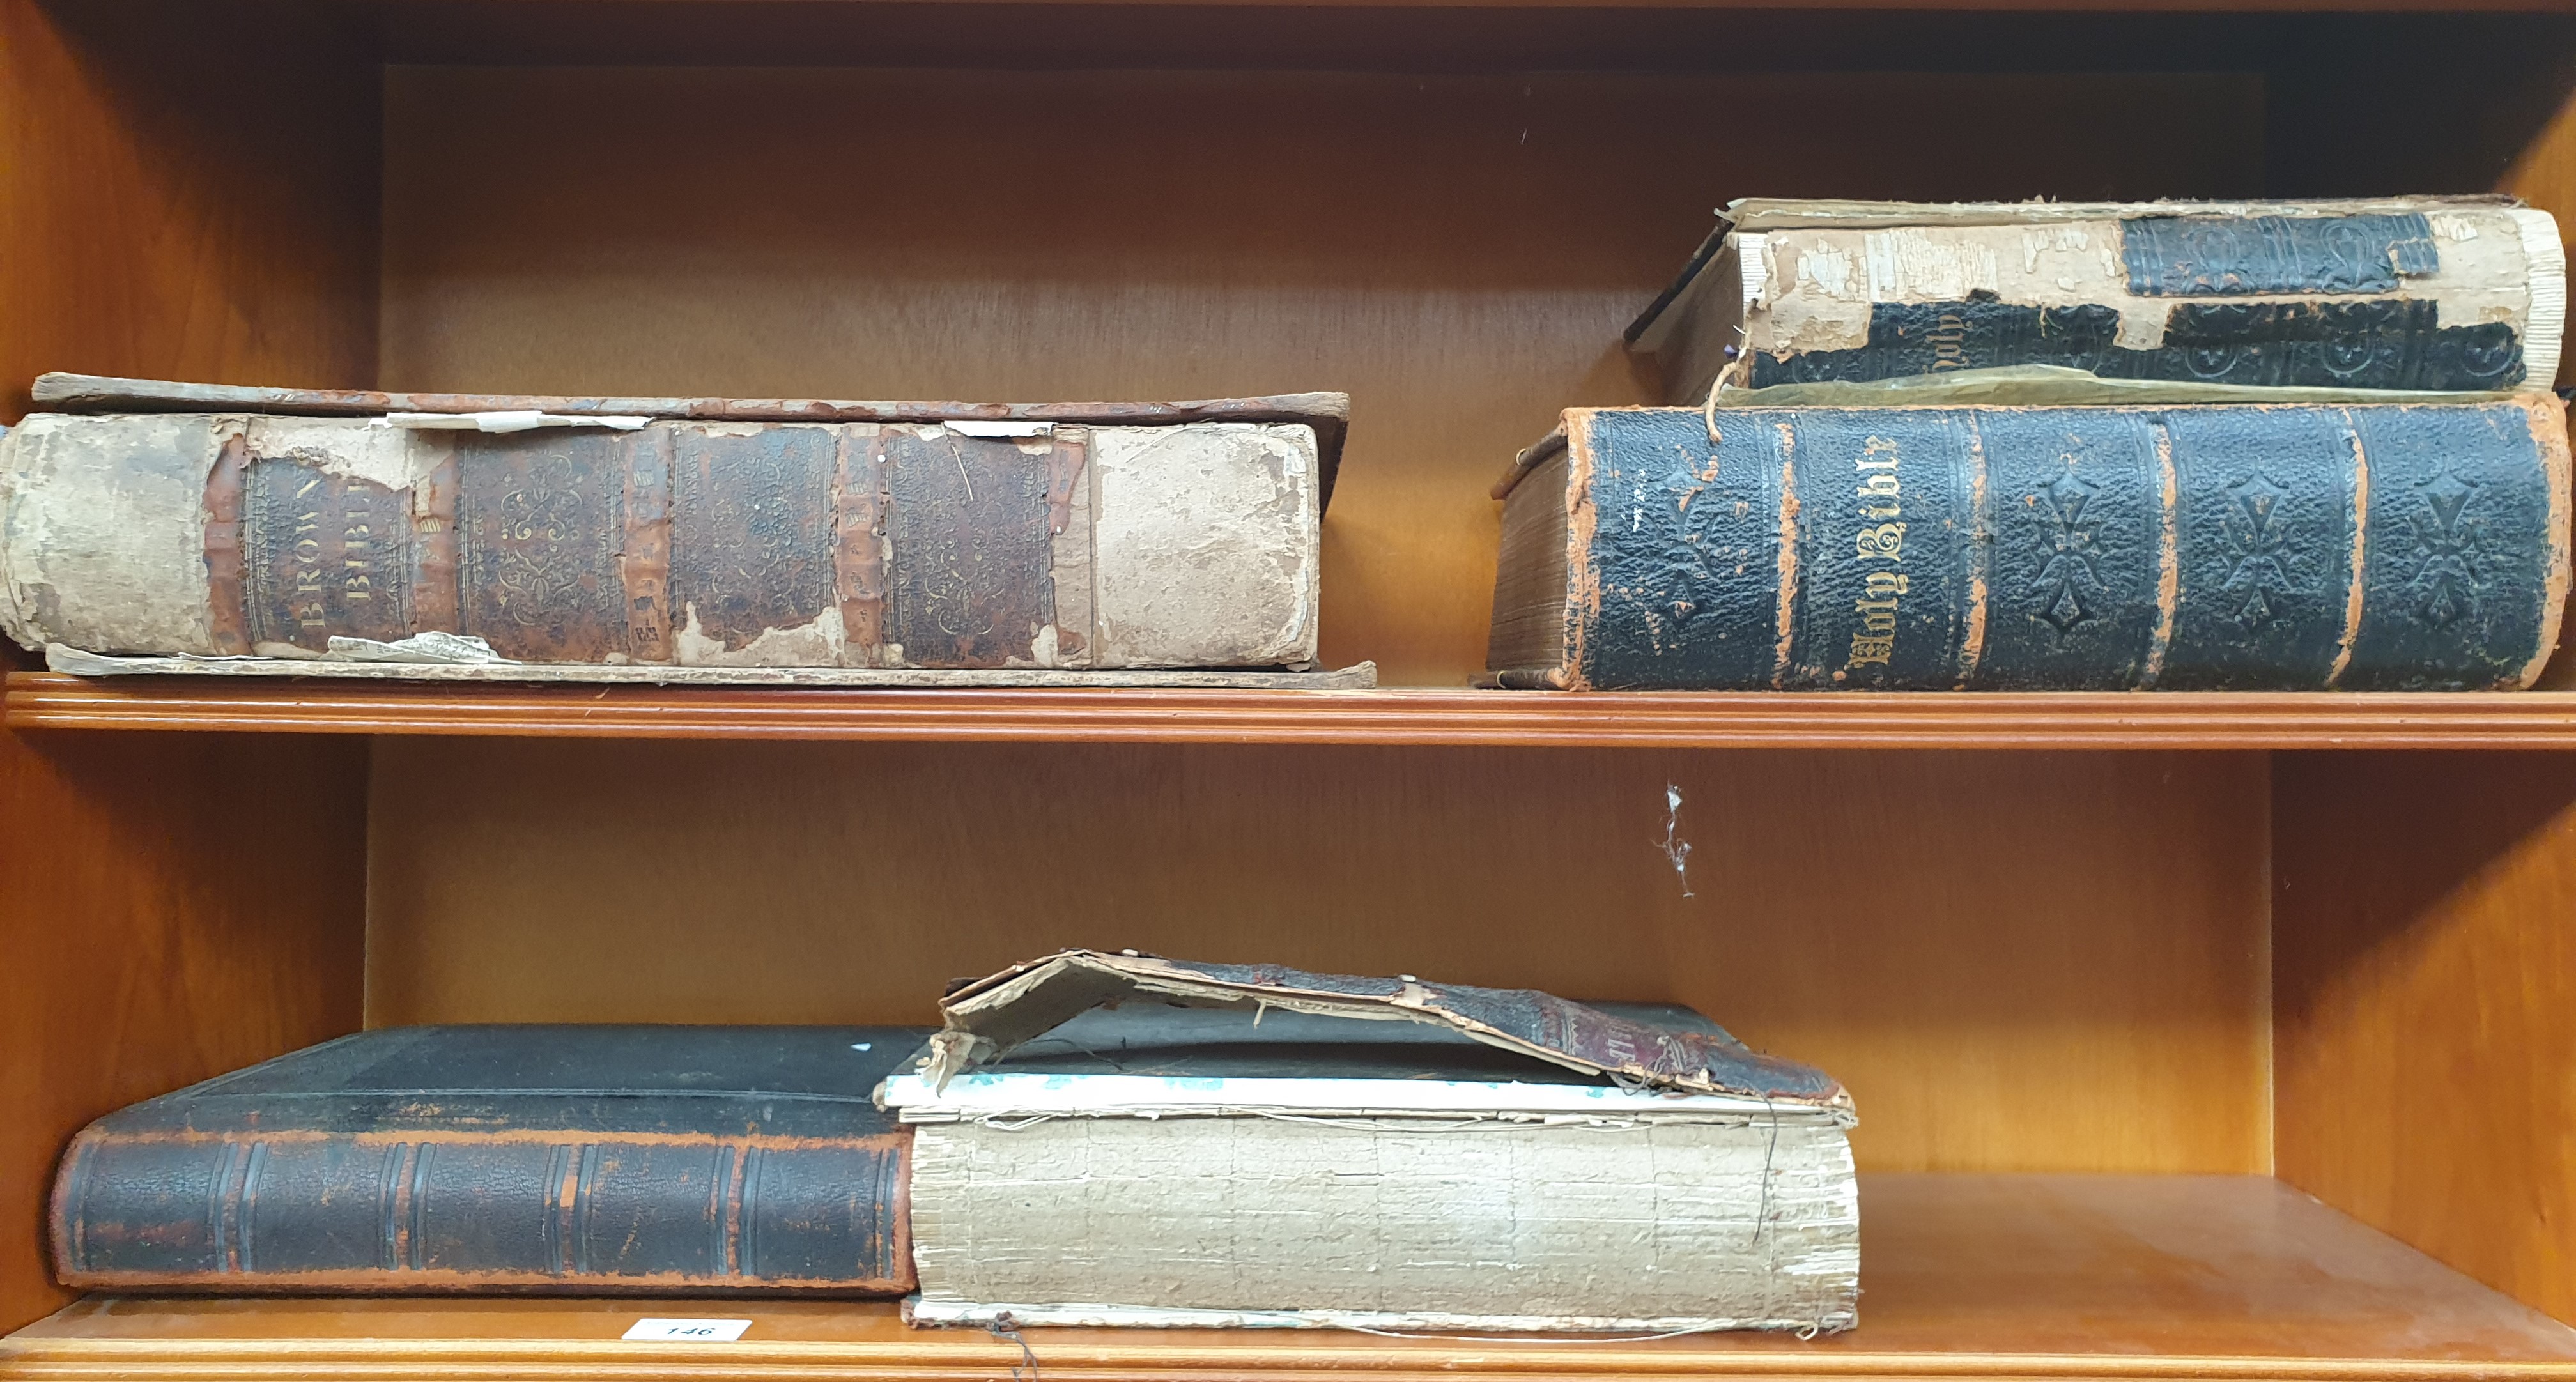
(421,11)
(1998,720)
(1963,1276)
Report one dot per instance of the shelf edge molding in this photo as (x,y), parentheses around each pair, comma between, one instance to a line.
(1464,718)
(584,1359)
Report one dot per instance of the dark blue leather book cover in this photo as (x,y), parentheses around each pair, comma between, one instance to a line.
(2361,547)
(507,1158)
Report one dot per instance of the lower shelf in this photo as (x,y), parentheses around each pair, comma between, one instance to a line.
(2024,1277)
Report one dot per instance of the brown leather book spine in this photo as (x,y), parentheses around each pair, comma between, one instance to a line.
(699,543)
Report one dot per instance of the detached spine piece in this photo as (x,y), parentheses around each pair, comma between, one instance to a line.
(2210,547)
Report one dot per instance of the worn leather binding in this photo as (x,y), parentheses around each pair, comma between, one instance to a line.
(2367,547)
(2412,293)
(703,533)
(507,1159)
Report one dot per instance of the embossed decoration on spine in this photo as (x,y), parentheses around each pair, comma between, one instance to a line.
(2265,519)
(751,540)
(2192,256)
(2192,548)
(1683,553)
(2462,536)
(2074,562)
(971,547)
(323,554)
(2364,343)
(539,527)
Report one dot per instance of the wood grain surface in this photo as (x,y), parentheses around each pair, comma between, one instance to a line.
(171,908)
(2426,1002)
(2544,174)
(181,192)
(1974,38)
(185,192)
(2212,1277)
(2024,962)
(1993,720)
(1460,253)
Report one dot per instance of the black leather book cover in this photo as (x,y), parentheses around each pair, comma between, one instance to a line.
(507,1158)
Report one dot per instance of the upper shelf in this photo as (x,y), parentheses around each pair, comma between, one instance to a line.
(1471,35)
(1992,720)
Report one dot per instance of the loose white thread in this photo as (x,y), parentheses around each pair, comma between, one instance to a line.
(1674,847)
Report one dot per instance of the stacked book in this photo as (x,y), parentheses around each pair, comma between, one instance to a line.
(1108,1139)
(2064,446)
(215,530)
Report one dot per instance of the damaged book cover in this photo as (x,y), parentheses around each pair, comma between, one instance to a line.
(686,533)
(1121,1139)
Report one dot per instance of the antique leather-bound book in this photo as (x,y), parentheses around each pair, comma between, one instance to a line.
(2361,547)
(1126,1140)
(537,1158)
(2438,293)
(680,532)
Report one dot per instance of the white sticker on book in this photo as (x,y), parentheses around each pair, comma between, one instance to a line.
(699,1331)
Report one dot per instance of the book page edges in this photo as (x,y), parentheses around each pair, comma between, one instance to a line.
(2545,267)
(1014,1095)
(2549,437)
(920,1310)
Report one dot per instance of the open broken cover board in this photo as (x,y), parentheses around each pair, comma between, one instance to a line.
(1111,1139)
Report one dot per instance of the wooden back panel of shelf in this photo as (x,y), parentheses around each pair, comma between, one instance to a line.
(179,195)
(2076,940)
(1460,253)
(2016,962)
(2073,1278)
(2425,1002)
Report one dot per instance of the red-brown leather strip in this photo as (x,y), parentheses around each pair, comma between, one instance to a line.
(433,524)
(1064,471)
(859,504)
(644,566)
(224,612)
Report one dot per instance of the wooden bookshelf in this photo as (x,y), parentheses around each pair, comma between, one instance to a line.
(2526,720)
(2237,950)
(2214,1277)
